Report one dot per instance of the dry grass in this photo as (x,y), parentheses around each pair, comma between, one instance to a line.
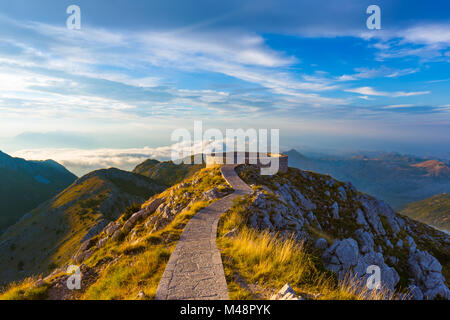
(268,261)
(25,290)
(141,263)
(131,274)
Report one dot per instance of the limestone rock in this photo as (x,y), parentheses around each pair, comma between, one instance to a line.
(416,293)
(285,293)
(141,295)
(335,209)
(360,218)
(426,271)
(111,228)
(231,234)
(365,240)
(210,194)
(321,244)
(343,258)
(95,230)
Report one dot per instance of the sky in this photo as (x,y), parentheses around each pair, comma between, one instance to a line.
(111,93)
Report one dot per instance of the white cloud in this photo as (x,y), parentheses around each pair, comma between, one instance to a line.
(81,161)
(367,73)
(369,91)
(89,52)
(427,34)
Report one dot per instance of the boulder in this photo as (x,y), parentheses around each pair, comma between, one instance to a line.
(343,258)
(95,230)
(111,228)
(426,271)
(153,205)
(321,244)
(370,206)
(210,194)
(304,202)
(415,292)
(365,240)
(360,218)
(341,255)
(342,193)
(335,210)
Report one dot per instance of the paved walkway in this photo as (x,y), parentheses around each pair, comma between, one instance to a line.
(195,269)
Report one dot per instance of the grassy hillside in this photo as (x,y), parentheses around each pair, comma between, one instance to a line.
(119,267)
(26,184)
(434,211)
(53,232)
(167,173)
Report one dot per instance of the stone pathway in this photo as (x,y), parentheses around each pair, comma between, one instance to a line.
(195,270)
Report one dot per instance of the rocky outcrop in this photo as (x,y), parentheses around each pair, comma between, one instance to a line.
(344,258)
(366,231)
(95,230)
(426,271)
(285,293)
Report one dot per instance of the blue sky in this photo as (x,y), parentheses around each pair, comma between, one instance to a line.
(139,69)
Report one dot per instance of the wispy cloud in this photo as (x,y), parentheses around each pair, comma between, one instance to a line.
(368,73)
(369,91)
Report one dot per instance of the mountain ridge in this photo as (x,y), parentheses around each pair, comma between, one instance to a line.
(51,233)
(26,184)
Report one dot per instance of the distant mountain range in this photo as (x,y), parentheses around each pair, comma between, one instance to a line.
(434,211)
(395,178)
(26,184)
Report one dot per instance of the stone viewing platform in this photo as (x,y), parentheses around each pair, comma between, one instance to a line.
(255,158)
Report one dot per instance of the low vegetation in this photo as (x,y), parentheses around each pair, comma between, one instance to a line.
(259,263)
(25,290)
(133,263)
(433,211)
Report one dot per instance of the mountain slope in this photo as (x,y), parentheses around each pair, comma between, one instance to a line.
(52,232)
(395,178)
(299,227)
(26,184)
(130,254)
(434,211)
(434,168)
(347,229)
(166,173)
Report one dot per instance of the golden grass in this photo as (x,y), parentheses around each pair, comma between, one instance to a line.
(130,275)
(142,263)
(25,290)
(270,261)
